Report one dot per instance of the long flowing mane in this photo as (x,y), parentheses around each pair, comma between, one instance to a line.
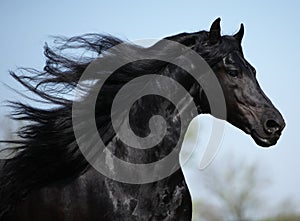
(47,148)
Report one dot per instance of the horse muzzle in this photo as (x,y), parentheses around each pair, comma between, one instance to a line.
(272,126)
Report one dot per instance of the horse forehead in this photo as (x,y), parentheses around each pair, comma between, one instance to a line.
(238,58)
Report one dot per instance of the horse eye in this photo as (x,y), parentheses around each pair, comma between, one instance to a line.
(233,73)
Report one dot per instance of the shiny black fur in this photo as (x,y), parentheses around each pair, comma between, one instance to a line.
(49,179)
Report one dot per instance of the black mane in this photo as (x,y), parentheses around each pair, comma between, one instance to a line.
(47,149)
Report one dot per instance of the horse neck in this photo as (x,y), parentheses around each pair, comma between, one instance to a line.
(171,192)
(139,120)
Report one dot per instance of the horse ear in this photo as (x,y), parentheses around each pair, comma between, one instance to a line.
(215,31)
(240,34)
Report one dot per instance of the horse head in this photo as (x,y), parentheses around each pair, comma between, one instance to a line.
(248,107)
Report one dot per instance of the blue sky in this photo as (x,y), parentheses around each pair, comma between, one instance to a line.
(271,44)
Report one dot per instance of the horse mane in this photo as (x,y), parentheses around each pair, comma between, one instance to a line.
(47,148)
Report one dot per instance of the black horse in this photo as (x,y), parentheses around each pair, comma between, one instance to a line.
(50,179)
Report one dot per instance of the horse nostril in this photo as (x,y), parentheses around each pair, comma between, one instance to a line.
(272,127)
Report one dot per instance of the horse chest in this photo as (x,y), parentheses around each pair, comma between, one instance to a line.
(161,200)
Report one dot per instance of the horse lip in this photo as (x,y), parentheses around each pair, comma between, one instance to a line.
(264,141)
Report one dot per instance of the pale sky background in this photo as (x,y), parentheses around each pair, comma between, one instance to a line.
(271,44)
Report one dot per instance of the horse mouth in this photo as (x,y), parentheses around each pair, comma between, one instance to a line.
(264,141)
